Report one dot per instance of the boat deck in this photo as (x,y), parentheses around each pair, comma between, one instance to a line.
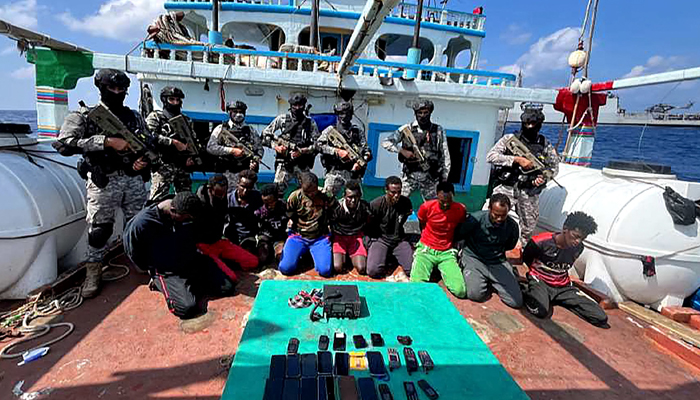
(126,345)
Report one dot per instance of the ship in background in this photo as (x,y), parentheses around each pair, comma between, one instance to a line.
(613,114)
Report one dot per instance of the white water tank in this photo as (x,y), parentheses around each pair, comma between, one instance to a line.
(42,209)
(632,221)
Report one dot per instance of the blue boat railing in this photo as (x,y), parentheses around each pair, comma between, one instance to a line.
(403,10)
(276,60)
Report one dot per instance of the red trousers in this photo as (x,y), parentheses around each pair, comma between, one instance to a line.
(224,249)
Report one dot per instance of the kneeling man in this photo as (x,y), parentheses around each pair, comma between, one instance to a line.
(549,257)
(487,235)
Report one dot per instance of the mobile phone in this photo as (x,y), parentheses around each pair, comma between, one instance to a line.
(330,387)
(278,367)
(339,341)
(325,363)
(342,364)
(293,366)
(377,368)
(367,389)
(359,341)
(293,346)
(291,389)
(309,389)
(323,342)
(308,365)
(273,389)
(411,393)
(426,361)
(347,388)
(394,359)
(321,387)
(377,340)
(411,362)
(385,392)
(428,390)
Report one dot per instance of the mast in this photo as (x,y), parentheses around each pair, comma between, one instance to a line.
(414,51)
(313,34)
(214,34)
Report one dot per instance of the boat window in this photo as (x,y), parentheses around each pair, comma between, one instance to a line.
(460,155)
(253,35)
(458,52)
(393,47)
(331,41)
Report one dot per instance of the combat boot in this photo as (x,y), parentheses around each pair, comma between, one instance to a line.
(93,276)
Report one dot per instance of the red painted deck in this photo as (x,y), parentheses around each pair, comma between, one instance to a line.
(126,345)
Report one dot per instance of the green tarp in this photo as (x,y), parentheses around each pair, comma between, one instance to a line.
(465,367)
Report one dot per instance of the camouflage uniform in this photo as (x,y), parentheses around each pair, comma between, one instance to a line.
(304,135)
(338,172)
(434,147)
(524,198)
(217,146)
(172,170)
(125,187)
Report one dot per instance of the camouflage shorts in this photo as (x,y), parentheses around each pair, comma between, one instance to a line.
(419,181)
(284,174)
(335,180)
(166,175)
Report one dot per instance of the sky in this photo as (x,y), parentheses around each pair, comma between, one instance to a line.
(632,38)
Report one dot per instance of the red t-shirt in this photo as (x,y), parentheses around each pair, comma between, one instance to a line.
(440,225)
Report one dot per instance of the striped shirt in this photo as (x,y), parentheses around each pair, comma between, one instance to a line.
(549,263)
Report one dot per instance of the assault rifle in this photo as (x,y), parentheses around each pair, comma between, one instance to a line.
(139,142)
(231,140)
(182,129)
(338,140)
(518,148)
(407,135)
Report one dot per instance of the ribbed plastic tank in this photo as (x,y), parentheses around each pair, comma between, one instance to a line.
(43,212)
(627,203)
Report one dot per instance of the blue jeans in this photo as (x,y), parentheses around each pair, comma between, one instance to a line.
(296,246)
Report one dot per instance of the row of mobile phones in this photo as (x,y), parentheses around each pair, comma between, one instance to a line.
(340,388)
(322,364)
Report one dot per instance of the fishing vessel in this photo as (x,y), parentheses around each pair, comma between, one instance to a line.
(364,51)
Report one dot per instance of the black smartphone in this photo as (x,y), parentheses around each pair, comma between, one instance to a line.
(367,389)
(308,365)
(342,364)
(330,387)
(278,367)
(377,368)
(411,393)
(347,388)
(377,340)
(411,361)
(359,341)
(293,366)
(426,361)
(293,346)
(325,363)
(429,391)
(291,389)
(385,392)
(273,389)
(339,341)
(323,342)
(394,360)
(309,389)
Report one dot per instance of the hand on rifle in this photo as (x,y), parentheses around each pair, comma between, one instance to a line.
(408,154)
(539,180)
(237,152)
(139,164)
(295,154)
(523,162)
(189,162)
(356,167)
(281,150)
(117,144)
(342,154)
(254,165)
(179,145)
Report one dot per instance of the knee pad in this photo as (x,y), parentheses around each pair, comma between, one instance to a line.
(98,234)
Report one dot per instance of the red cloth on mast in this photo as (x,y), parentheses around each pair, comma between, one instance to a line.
(566,101)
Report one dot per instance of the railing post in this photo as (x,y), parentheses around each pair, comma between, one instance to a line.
(461,78)
(189,55)
(284,63)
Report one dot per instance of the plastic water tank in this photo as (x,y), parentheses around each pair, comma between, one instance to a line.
(632,221)
(43,212)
